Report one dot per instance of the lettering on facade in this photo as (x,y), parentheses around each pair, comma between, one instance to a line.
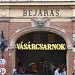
(41,13)
(29,46)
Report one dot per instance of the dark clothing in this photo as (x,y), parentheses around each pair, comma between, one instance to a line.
(15,73)
(44,69)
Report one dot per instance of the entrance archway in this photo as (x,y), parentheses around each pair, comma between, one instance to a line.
(56,57)
(53,30)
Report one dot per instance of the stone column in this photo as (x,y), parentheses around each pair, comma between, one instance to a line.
(11,60)
(70,56)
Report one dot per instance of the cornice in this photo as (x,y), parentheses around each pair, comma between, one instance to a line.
(37,6)
(41,7)
(37,2)
(4,6)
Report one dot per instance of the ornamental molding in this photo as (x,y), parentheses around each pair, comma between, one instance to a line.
(4,7)
(73,6)
(42,6)
(40,24)
(37,6)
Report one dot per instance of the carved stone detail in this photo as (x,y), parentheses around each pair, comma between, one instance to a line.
(3,13)
(40,23)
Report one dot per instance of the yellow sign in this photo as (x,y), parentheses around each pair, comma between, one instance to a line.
(29,46)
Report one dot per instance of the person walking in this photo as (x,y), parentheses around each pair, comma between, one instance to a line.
(56,72)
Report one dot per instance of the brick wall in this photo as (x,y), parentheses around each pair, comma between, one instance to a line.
(10,28)
(71,56)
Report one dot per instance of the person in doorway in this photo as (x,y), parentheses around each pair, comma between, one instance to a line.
(56,72)
(32,68)
(15,72)
(53,68)
(20,70)
(27,71)
(64,71)
(46,67)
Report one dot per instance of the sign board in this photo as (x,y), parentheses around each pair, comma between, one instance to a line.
(41,46)
(2,71)
(2,61)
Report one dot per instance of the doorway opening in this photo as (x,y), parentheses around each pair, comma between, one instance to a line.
(32,59)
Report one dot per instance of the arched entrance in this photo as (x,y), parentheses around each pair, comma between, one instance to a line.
(53,57)
(52,30)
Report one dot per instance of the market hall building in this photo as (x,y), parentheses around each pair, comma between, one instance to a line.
(35,30)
